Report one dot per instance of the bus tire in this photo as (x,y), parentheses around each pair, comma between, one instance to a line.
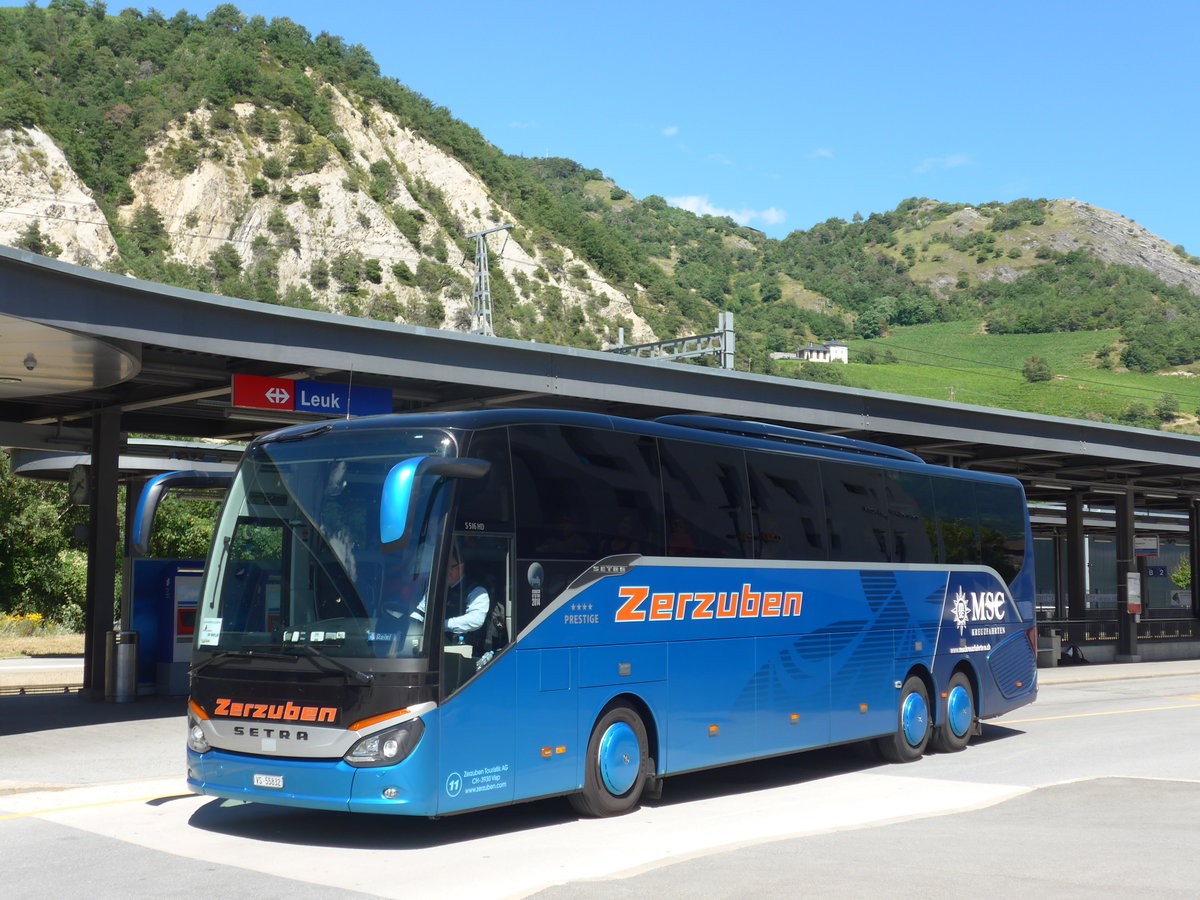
(616,765)
(953,733)
(912,728)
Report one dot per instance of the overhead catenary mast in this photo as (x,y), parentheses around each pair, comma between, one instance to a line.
(481,298)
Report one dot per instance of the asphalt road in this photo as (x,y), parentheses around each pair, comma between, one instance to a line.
(1094,790)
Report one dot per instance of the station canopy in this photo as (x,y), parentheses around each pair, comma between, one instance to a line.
(78,343)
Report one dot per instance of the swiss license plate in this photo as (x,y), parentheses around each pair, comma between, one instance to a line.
(268,781)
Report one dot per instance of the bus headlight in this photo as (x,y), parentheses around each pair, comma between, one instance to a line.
(196,740)
(388,747)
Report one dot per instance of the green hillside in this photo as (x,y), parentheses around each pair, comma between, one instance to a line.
(959,362)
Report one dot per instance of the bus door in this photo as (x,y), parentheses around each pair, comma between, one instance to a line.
(478,715)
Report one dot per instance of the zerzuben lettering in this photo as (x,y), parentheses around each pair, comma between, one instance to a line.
(639,604)
(274,712)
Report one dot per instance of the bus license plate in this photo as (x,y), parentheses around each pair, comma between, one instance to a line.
(268,781)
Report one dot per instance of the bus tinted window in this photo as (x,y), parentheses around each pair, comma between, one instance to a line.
(584,493)
(911,517)
(789,509)
(957,518)
(1001,528)
(705,492)
(856,511)
(485,504)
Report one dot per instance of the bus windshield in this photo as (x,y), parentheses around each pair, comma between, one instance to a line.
(297,565)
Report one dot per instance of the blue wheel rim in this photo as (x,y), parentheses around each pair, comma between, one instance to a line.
(620,758)
(959,711)
(914,719)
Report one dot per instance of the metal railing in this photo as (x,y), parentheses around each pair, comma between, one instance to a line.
(1101,629)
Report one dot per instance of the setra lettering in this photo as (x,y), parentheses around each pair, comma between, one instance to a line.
(279,734)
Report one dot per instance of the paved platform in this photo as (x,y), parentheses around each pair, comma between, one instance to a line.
(1116,671)
(63,740)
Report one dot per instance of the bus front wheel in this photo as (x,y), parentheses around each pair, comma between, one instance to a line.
(912,731)
(616,765)
(954,732)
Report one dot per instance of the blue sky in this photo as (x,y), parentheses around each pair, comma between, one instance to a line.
(784,114)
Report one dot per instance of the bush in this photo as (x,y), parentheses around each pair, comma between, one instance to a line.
(1167,407)
(1037,369)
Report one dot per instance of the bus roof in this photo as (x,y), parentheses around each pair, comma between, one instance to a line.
(706,429)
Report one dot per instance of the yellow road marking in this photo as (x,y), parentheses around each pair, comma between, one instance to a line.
(59,809)
(1114,712)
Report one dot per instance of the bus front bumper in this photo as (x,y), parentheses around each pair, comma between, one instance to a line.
(313,784)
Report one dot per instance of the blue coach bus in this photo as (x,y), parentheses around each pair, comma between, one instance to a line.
(429,614)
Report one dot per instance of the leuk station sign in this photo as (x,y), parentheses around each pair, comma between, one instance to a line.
(286,394)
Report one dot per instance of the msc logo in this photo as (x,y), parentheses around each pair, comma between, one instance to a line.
(982,606)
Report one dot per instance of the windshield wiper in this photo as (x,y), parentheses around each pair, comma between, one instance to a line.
(223,655)
(313,653)
(290,654)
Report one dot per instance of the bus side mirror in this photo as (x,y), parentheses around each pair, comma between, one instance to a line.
(155,492)
(397,511)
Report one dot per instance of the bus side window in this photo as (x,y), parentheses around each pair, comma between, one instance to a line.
(857,514)
(707,507)
(1001,528)
(911,517)
(789,509)
(957,521)
(584,493)
(485,504)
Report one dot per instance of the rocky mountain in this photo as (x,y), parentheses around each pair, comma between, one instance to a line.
(377,233)
(1062,226)
(39,188)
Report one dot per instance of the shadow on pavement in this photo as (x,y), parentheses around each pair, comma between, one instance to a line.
(996,733)
(28,713)
(318,828)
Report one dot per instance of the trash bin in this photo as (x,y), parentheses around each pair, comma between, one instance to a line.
(120,666)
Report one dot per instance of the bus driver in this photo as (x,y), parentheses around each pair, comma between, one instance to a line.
(466,607)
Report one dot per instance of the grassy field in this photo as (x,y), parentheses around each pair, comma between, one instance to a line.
(12,645)
(957,362)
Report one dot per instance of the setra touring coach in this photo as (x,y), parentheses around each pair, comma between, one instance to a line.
(428,614)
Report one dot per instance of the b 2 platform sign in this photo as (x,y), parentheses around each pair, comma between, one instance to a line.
(286,394)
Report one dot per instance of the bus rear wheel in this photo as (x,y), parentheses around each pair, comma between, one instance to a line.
(616,766)
(912,732)
(954,732)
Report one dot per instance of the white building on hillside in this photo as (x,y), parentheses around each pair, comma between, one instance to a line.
(830,351)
